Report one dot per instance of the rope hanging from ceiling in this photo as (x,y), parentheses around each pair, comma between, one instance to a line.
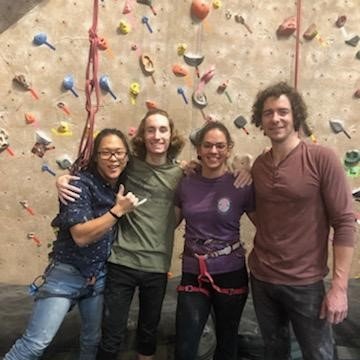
(92,90)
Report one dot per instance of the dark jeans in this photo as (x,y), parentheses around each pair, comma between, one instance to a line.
(120,286)
(193,310)
(277,306)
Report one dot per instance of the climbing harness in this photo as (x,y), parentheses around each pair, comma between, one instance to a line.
(206,278)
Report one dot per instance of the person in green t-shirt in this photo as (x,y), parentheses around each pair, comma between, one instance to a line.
(141,252)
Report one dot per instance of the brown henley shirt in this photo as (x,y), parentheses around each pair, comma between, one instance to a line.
(296,204)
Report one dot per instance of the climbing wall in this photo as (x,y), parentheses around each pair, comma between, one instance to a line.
(238,49)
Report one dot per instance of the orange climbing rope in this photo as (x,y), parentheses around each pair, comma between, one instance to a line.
(91,85)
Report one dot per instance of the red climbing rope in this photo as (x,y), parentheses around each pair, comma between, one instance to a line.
(297,46)
(91,85)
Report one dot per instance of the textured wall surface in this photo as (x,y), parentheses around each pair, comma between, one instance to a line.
(328,77)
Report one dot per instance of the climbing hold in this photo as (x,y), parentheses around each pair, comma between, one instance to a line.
(151,105)
(127,7)
(132,131)
(228,14)
(26,206)
(64,162)
(358,55)
(310,32)
(241,20)
(45,167)
(134,92)
(30,118)
(63,129)
(135,88)
(104,83)
(287,27)
(353,41)
(179,70)
(4,140)
(341,20)
(221,88)
(147,64)
(240,122)
(216,4)
(193,59)
(148,3)
(181,92)
(68,84)
(199,99)
(193,136)
(352,157)
(181,49)
(31,236)
(357,94)
(42,138)
(124,27)
(200,9)
(41,39)
(145,20)
(338,127)
(103,44)
(21,81)
(63,107)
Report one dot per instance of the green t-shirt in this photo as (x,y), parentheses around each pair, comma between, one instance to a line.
(146,235)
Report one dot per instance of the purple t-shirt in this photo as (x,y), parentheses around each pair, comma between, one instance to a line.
(212,209)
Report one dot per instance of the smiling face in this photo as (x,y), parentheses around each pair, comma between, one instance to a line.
(111,158)
(157,134)
(277,119)
(213,150)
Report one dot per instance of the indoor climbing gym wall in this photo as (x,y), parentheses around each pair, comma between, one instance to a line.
(199,60)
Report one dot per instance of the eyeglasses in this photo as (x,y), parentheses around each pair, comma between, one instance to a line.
(220,146)
(107,154)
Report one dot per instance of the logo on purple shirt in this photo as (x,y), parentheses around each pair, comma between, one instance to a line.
(223,205)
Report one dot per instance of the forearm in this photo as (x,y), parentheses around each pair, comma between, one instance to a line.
(342,258)
(91,231)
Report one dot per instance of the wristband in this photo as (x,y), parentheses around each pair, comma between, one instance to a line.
(114,215)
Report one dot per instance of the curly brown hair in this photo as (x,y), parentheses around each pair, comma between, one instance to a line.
(298,106)
(138,144)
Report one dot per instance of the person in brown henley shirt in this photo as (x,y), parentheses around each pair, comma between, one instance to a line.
(301,192)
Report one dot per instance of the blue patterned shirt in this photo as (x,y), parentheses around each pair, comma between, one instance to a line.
(96,198)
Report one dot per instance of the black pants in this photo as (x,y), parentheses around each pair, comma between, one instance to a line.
(120,286)
(277,306)
(193,310)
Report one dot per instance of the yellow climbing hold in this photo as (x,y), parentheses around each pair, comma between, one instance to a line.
(216,4)
(124,27)
(181,49)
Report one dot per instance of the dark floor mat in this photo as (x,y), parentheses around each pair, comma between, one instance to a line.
(16,306)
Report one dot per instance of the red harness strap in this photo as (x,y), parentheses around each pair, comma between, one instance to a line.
(205,277)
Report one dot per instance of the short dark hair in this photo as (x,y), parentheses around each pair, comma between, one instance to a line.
(91,166)
(298,106)
(210,126)
(138,143)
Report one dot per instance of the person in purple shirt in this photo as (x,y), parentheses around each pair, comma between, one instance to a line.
(214,274)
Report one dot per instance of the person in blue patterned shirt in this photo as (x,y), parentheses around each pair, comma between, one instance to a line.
(85,232)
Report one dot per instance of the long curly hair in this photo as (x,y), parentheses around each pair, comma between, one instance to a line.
(298,106)
(138,143)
